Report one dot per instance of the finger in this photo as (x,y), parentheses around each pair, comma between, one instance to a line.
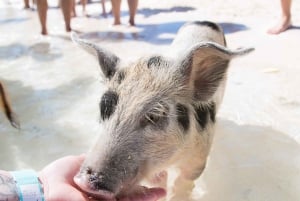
(82,156)
(153,194)
(82,196)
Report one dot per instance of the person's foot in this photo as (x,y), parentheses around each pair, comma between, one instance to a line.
(283,25)
(117,22)
(85,14)
(73,13)
(131,22)
(68,29)
(104,14)
(44,32)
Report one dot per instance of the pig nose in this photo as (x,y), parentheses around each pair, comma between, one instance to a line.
(97,181)
(94,184)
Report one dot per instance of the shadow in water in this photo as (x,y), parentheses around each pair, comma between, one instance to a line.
(148,12)
(13,51)
(42,51)
(294,27)
(229,27)
(14,20)
(152,33)
(48,130)
(249,162)
(163,33)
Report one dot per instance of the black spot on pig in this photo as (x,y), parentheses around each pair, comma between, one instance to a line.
(108,64)
(183,116)
(108,104)
(155,61)
(204,114)
(209,24)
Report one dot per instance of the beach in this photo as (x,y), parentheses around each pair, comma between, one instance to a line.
(55,88)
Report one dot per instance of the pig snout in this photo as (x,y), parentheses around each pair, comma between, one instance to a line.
(95,184)
(106,184)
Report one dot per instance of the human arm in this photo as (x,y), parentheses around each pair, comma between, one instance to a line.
(58,185)
(8,189)
(61,183)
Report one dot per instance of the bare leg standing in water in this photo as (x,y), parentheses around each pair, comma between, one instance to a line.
(103,8)
(83,3)
(116,10)
(285,19)
(73,13)
(66,6)
(26,4)
(132,4)
(42,7)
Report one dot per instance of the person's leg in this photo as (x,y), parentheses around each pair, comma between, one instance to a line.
(73,13)
(83,3)
(66,6)
(103,8)
(33,4)
(42,7)
(116,10)
(132,4)
(285,19)
(26,4)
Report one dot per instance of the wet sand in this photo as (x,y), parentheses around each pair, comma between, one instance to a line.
(55,88)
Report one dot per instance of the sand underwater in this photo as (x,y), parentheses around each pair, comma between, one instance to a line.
(55,88)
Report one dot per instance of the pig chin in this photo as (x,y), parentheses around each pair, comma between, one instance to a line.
(86,187)
(128,188)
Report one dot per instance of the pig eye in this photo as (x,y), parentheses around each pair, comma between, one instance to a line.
(152,118)
(156,117)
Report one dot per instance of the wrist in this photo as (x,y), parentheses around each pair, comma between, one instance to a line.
(29,188)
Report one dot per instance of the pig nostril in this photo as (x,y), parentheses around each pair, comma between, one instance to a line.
(98,183)
(89,170)
(93,178)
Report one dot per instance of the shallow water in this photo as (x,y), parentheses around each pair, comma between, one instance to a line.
(55,88)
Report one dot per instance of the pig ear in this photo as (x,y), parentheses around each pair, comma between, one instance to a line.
(107,60)
(205,67)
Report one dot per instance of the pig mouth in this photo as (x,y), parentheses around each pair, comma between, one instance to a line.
(101,194)
(126,188)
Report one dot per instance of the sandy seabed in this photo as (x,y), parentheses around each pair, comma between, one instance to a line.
(55,88)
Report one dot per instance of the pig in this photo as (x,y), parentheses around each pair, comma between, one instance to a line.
(157,112)
(7,109)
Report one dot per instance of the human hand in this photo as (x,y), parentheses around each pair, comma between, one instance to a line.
(148,194)
(57,179)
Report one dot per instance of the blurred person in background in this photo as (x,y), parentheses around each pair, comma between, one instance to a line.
(116,11)
(84,2)
(66,6)
(27,4)
(284,22)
